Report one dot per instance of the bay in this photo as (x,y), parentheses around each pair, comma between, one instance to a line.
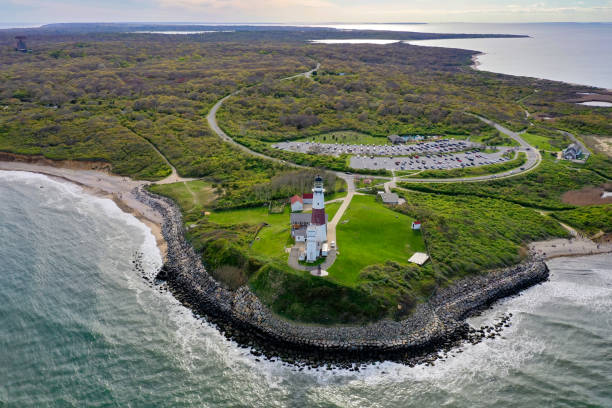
(578,53)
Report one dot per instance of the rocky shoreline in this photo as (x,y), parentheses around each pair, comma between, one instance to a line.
(434,326)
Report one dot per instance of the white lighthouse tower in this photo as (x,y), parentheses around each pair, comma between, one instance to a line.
(319,220)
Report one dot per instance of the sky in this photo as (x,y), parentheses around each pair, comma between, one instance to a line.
(304,11)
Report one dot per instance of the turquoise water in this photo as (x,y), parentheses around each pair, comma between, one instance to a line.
(79,326)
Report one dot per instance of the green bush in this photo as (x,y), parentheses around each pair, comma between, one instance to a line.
(590,219)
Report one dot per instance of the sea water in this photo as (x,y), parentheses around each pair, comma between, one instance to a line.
(81,326)
(578,53)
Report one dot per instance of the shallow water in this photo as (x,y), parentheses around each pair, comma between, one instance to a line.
(79,326)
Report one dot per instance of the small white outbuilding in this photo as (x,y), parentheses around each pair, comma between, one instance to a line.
(419,258)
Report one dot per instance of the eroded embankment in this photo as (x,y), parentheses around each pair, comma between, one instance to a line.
(240,315)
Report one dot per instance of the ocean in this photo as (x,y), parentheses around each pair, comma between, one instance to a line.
(81,325)
(577,53)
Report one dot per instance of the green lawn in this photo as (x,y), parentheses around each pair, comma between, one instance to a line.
(329,197)
(274,237)
(539,141)
(347,137)
(189,195)
(373,234)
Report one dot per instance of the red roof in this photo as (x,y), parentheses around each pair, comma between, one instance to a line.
(318,216)
(307,196)
(417,222)
(296,198)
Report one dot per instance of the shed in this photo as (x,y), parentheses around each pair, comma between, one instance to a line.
(416,225)
(419,258)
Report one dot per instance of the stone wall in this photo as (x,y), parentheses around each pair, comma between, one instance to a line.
(242,316)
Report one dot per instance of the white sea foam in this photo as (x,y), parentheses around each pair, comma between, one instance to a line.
(82,202)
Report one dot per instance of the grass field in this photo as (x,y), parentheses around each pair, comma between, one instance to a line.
(189,195)
(540,142)
(373,234)
(347,137)
(272,238)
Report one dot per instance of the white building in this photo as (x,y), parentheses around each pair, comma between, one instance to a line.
(307,198)
(312,245)
(416,225)
(297,204)
(572,152)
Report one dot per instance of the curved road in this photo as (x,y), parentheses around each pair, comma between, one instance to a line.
(214,125)
(533,160)
(533,155)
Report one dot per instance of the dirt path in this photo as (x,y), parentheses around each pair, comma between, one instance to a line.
(174,176)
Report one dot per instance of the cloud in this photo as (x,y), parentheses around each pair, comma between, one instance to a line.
(307,11)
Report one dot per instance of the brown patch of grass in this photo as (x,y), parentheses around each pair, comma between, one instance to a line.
(588,196)
(231,276)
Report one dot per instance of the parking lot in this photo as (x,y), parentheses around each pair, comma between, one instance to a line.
(472,158)
(438,146)
(442,154)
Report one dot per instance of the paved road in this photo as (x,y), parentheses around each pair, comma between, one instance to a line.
(533,156)
(331,226)
(214,125)
(533,160)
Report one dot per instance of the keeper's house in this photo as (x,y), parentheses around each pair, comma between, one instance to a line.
(297,203)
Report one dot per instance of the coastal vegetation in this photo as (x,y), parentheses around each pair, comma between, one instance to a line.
(590,220)
(540,188)
(467,234)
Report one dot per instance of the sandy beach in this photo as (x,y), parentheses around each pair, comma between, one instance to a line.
(102,184)
(577,246)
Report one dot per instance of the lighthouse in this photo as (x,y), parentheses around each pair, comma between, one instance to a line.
(319,220)
(311,228)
